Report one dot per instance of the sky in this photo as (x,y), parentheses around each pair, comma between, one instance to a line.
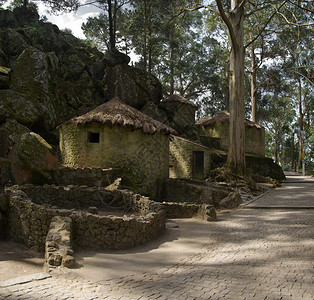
(72,20)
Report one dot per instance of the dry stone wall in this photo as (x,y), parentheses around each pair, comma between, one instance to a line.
(189,210)
(189,191)
(31,209)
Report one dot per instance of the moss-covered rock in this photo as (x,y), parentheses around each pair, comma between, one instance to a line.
(32,76)
(7,18)
(264,166)
(14,105)
(10,133)
(14,44)
(31,159)
(132,85)
(5,172)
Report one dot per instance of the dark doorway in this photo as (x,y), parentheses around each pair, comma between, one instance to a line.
(198,165)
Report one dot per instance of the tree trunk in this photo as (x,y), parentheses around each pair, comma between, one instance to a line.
(145,38)
(112,38)
(236,153)
(171,67)
(253,82)
(300,124)
(276,148)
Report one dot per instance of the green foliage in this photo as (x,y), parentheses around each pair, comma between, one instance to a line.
(19,3)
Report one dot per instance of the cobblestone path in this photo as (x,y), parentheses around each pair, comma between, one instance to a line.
(250,254)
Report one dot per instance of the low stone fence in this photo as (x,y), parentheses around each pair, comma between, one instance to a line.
(31,209)
(187,210)
(83,176)
(191,191)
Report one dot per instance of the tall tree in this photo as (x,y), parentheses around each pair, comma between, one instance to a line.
(233,15)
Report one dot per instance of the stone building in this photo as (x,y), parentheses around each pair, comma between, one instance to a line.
(181,114)
(115,135)
(214,133)
(188,159)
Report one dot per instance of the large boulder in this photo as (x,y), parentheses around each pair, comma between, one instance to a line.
(31,159)
(14,44)
(5,172)
(263,166)
(132,85)
(7,18)
(10,133)
(233,200)
(25,16)
(33,77)
(15,105)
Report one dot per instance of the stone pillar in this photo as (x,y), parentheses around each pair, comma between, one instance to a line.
(58,248)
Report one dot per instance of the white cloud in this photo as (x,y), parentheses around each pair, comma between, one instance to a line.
(71,20)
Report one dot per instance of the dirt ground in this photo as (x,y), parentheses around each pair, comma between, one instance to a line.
(17,260)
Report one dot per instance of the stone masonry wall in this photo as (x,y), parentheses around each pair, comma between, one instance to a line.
(181,154)
(185,191)
(142,158)
(188,210)
(254,137)
(29,216)
(75,197)
(83,176)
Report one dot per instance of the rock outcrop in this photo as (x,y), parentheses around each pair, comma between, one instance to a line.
(48,76)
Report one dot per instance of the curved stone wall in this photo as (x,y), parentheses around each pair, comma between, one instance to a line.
(31,209)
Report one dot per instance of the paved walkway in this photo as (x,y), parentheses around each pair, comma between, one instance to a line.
(250,253)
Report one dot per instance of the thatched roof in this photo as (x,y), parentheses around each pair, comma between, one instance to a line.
(116,112)
(179,98)
(223,117)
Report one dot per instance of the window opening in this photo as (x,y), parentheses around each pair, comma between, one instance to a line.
(93,137)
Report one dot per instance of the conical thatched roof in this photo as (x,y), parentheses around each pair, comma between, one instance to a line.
(223,117)
(116,112)
(179,98)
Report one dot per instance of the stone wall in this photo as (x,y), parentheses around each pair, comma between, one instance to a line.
(83,176)
(181,158)
(254,137)
(188,191)
(188,210)
(31,209)
(142,158)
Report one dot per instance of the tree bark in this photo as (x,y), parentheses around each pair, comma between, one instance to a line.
(112,38)
(171,54)
(145,38)
(236,153)
(300,124)
(253,82)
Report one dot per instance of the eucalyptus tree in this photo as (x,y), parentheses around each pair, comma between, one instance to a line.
(234,14)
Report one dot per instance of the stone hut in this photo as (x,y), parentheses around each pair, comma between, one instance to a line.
(188,159)
(116,135)
(214,133)
(181,114)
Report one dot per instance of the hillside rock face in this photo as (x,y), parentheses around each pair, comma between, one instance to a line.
(48,76)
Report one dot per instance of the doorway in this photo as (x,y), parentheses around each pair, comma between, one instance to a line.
(198,165)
